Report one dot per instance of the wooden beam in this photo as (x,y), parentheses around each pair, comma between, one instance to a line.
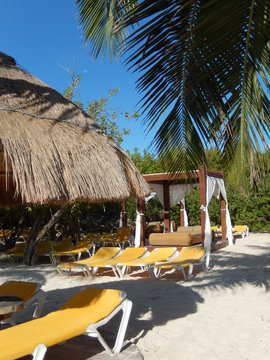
(202,177)
(223,218)
(179,177)
(141,210)
(166,215)
(124,214)
(182,221)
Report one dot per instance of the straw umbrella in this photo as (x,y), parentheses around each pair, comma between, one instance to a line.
(52,152)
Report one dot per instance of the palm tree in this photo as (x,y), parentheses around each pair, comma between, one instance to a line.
(203,67)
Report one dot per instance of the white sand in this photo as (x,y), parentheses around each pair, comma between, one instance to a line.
(222,314)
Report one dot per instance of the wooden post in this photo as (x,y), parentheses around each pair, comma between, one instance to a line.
(182,221)
(141,210)
(124,214)
(202,179)
(166,215)
(223,218)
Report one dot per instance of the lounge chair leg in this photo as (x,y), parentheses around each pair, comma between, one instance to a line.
(122,271)
(115,271)
(190,271)
(152,272)
(127,306)
(207,261)
(86,271)
(93,332)
(39,352)
(41,296)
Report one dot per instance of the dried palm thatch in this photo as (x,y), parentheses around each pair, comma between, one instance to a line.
(52,152)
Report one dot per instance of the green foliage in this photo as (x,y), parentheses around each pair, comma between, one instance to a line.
(72,91)
(252,209)
(105,117)
(98,110)
(146,163)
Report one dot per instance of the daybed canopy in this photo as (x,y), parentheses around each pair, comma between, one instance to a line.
(53,152)
(173,188)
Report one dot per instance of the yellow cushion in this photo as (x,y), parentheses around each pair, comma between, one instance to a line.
(159,254)
(240,228)
(128,254)
(102,254)
(86,307)
(21,289)
(188,255)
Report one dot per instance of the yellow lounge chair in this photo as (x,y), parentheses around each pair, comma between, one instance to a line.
(87,244)
(19,247)
(157,255)
(103,254)
(241,230)
(25,290)
(84,313)
(187,257)
(122,236)
(106,239)
(129,254)
(45,248)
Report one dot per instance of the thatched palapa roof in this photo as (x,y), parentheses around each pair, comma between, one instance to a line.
(52,152)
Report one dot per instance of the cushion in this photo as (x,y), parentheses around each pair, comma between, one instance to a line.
(174,239)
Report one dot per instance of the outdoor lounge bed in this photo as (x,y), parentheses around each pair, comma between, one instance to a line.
(84,313)
(174,239)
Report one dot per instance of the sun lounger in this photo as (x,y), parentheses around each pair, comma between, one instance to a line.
(157,255)
(84,313)
(29,292)
(87,244)
(103,254)
(122,236)
(129,254)
(241,230)
(19,247)
(187,257)
(44,249)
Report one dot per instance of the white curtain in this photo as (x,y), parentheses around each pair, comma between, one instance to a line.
(137,239)
(139,219)
(215,186)
(158,189)
(121,219)
(178,192)
(210,190)
(229,233)
(183,201)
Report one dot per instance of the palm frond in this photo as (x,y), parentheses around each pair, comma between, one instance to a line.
(206,64)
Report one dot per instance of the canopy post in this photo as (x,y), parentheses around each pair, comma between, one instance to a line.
(166,216)
(182,208)
(223,218)
(202,180)
(141,210)
(124,214)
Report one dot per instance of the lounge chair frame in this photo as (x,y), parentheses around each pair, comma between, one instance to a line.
(203,261)
(125,306)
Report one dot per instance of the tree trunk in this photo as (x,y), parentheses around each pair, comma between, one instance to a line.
(34,239)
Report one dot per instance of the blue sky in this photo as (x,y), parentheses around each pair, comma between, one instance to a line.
(43,35)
